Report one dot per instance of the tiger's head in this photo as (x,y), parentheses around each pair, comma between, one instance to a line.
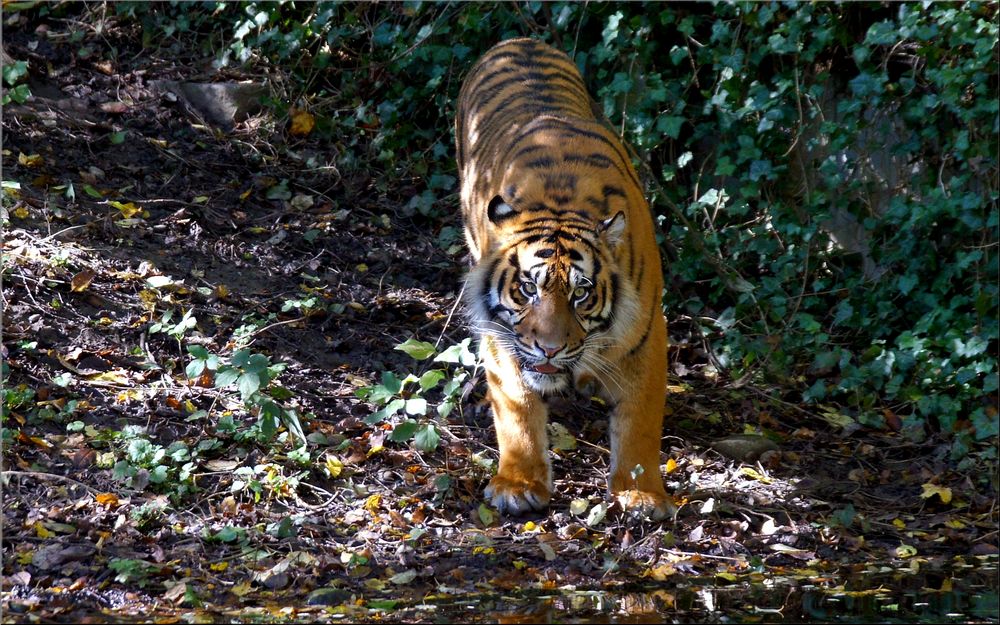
(548,292)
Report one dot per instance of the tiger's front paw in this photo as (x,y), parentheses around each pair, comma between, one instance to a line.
(517,495)
(646,504)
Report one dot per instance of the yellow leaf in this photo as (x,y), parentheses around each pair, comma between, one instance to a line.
(126,396)
(955,524)
(943,492)
(149,298)
(530,526)
(107,499)
(115,376)
(242,589)
(671,465)
(222,291)
(373,503)
(334,466)
(29,160)
(899,523)
(128,209)
(753,474)
(662,572)
(219,566)
(906,551)
(302,123)
(41,531)
(21,212)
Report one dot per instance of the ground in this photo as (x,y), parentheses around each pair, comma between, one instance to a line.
(134,489)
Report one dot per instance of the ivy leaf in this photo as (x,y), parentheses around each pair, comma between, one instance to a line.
(426,438)
(419,350)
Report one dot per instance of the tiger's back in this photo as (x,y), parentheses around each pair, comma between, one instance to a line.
(566,282)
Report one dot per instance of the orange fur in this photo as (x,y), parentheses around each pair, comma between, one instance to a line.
(566,284)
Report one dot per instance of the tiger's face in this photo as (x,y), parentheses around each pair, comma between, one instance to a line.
(547,295)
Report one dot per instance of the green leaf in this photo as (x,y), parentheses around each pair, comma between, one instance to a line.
(486,515)
(670,125)
(426,438)
(158,475)
(226,376)
(194,368)
(416,406)
(248,384)
(419,350)
(404,431)
(431,379)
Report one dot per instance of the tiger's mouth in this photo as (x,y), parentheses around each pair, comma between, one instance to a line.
(546,368)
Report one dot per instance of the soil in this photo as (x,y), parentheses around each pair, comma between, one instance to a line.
(131,205)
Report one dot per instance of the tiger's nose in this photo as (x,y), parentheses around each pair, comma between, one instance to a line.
(549,350)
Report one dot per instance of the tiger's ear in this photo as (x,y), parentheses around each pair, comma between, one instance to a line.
(499,210)
(613,229)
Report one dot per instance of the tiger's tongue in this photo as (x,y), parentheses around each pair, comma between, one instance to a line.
(546,368)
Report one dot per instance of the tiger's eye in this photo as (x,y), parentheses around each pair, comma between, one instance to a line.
(580,292)
(529,288)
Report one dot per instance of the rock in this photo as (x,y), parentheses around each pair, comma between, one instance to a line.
(744,447)
(221,103)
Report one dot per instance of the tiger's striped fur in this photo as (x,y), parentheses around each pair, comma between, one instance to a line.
(566,284)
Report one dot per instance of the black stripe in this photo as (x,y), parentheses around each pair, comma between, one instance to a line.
(545,162)
(567,127)
(645,335)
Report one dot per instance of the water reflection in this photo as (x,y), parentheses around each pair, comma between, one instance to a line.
(884,598)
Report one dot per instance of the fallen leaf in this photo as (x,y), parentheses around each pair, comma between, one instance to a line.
(108,499)
(127,209)
(906,551)
(671,465)
(82,280)
(302,123)
(175,591)
(403,578)
(660,573)
(334,466)
(943,492)
(29,160)
(242,589)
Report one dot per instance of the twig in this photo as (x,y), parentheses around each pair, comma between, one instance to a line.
(49,476)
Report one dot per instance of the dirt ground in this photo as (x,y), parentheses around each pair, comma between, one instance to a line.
(130,205)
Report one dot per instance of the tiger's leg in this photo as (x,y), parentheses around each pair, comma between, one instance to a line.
(524,478)
(636,431)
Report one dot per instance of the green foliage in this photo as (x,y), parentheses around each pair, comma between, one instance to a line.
(824,175)
(408,396)
(13,92)
(779,138)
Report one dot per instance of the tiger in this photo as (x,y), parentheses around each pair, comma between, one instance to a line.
(565,285)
